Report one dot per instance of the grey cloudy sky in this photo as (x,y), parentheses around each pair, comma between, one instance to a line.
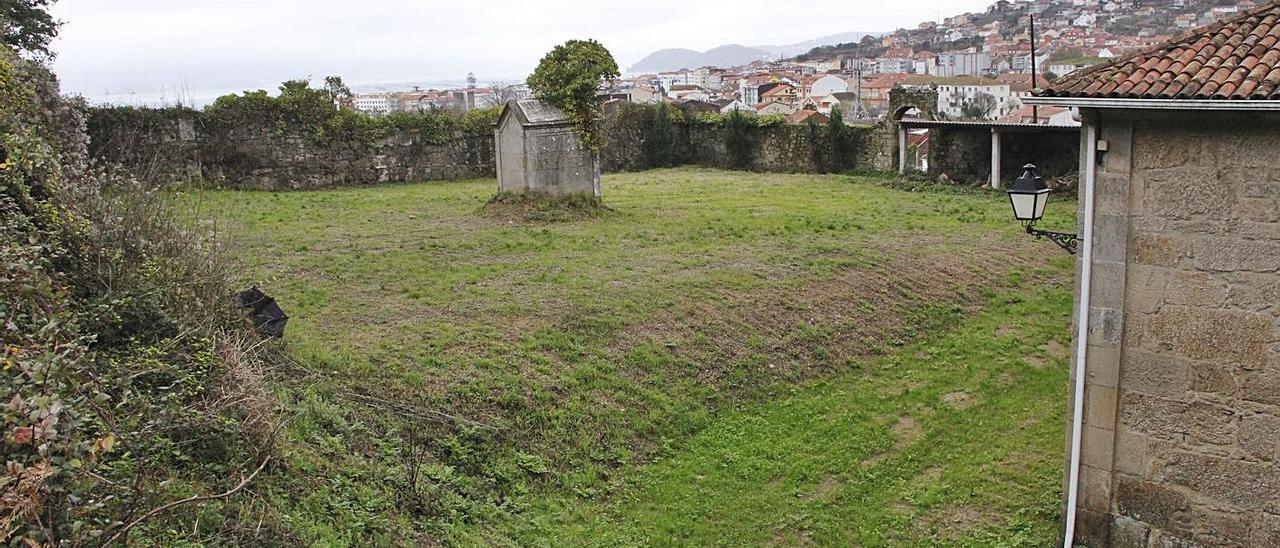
(117,47)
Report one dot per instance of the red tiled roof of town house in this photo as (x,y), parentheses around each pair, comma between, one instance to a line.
(1029,114)
(1013,78)
(1236,58)
(780,89)
(803,116)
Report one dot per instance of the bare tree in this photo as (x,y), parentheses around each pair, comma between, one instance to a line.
(502,94)
(980,107)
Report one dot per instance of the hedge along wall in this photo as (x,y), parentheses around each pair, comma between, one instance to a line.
(258,143)
(649,136)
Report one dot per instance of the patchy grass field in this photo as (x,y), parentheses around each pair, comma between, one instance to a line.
(718,358)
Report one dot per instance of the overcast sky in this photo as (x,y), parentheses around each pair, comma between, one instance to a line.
(110,48)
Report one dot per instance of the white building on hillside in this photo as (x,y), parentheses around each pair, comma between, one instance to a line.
(668,79)
(822,86)
(963,64)
(376,103)
(954,94)
(705,77)
(736,104)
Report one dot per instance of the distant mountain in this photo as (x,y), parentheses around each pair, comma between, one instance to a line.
(679,58)
(733,54)
(792,50)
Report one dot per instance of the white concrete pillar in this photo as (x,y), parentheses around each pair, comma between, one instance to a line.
(902,149)
(995,158)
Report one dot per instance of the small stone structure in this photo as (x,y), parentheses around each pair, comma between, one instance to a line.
(538,152)
(1181,434)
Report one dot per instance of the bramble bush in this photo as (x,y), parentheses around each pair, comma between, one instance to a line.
(127,380)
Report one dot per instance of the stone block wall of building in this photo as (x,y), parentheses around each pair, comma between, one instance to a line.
(1181,441)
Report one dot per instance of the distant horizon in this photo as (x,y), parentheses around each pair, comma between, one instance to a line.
(153,50)
(197,98)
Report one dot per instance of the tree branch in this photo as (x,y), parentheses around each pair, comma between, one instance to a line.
(199,498)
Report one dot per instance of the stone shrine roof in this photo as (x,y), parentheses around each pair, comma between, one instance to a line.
(1234,59)
(535,112)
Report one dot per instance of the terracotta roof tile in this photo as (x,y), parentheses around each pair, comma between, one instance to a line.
(1237,58)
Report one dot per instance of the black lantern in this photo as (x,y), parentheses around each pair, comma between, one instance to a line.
(1028,195)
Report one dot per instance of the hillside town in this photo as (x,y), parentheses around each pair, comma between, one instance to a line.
(980,64)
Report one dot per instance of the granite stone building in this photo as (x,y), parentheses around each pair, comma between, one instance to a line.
(1176,440)
(538,152)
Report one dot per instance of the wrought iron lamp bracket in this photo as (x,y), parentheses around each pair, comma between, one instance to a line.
(1068,242)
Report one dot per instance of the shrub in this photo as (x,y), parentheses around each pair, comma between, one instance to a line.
(569,77)
(739,140)
(127,380)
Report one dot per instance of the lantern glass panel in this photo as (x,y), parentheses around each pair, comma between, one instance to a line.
(1029,206)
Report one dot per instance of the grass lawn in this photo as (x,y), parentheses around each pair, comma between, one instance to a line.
(720,358)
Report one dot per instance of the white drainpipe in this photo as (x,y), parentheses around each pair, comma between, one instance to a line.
(1082,320)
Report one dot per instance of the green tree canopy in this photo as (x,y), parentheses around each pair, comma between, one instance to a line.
(27,25)
(569,77)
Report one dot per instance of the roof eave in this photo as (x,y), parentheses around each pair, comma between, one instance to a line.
(1155,104)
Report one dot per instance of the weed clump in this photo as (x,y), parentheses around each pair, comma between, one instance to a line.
(543,208)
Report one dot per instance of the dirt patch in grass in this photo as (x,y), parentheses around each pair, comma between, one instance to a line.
(828,485)
(953,520)
(958,400)
(905,431)
(931,475)
(512,208)
(1055,350)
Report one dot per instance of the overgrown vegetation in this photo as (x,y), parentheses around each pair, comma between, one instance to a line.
(315,112)
(471,379)
(542,208)
(569,77)
(647,136)
(130,389)
(302,110)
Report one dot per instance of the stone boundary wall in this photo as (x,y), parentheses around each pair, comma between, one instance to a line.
(788,148)
(175,145)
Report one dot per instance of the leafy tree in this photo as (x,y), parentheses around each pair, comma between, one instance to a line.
(27,25)
(737,139)
(980,107)
(662,137)
(837,141)
(338,91)
(305,103)
(568,77)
